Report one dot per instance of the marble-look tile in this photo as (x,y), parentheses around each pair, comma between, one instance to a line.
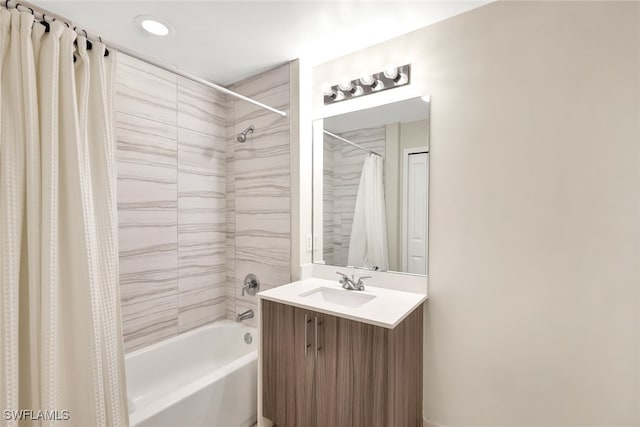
(148,252)
(177,242)
(262,187)
(230,214)
(201,306)
(328,197)
(152,319)
(146,187)
(270,87)
(145,90)
(201,109)
(202,152)
(198,211)
(145,141)
(201,227)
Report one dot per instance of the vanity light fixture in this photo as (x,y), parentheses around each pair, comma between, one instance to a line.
(367,79)
(367,84)
(377,86)
(393,73)
(154,25)
(349,87)
(390,71)
(333,93)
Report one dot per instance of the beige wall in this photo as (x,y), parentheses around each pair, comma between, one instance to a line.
(533,305)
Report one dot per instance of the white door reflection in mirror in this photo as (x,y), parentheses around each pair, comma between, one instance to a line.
(415,207)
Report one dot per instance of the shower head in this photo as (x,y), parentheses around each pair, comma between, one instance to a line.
(242,136)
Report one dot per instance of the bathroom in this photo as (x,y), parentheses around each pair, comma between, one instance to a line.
(174,211)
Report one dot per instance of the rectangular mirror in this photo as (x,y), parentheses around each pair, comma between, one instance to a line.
(371,188)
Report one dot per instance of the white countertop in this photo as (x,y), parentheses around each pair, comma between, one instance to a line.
(385,308)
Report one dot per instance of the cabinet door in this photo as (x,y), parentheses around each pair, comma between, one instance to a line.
(287,369)
(351,374)
(405,372)
(304,369)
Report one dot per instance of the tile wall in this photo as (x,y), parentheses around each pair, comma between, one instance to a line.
(171,202)
(197,210)
(258,189)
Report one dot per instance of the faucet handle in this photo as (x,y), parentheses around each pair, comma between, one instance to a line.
(342,274)
(360,284)
(251,284)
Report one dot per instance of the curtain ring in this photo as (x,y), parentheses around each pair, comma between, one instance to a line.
(106,51)
(18,6)
(85,34)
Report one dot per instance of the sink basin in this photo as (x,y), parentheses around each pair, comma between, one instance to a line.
(338,297)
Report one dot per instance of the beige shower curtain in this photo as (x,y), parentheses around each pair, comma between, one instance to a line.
(60,331)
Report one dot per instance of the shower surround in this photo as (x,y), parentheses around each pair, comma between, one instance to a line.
(197,209)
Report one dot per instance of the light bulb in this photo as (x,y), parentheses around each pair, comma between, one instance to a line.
(345,85)
(327,90)
(391,71)
(357,91)
(338,95)
(367,79)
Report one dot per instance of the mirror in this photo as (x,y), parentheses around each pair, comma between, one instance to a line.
(370,188)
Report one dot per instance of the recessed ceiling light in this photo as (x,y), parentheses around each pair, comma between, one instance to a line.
(154,25)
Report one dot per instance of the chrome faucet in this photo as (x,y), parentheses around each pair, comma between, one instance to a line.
(244,316)
(350,283)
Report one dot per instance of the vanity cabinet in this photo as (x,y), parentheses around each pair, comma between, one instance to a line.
(320,370)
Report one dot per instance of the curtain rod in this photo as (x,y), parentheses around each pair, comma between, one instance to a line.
(339,138)
(41,12)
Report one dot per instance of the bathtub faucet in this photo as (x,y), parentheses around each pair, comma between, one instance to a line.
(244,316)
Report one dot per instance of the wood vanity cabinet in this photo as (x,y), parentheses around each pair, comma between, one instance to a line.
(320,370)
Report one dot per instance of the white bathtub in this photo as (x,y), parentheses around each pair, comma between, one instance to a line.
(205,377)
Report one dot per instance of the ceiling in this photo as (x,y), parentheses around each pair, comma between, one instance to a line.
(226,41)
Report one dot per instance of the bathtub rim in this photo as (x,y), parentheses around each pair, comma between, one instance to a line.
(194,331)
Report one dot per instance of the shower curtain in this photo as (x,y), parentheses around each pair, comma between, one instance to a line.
(368,242)
(61,353)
